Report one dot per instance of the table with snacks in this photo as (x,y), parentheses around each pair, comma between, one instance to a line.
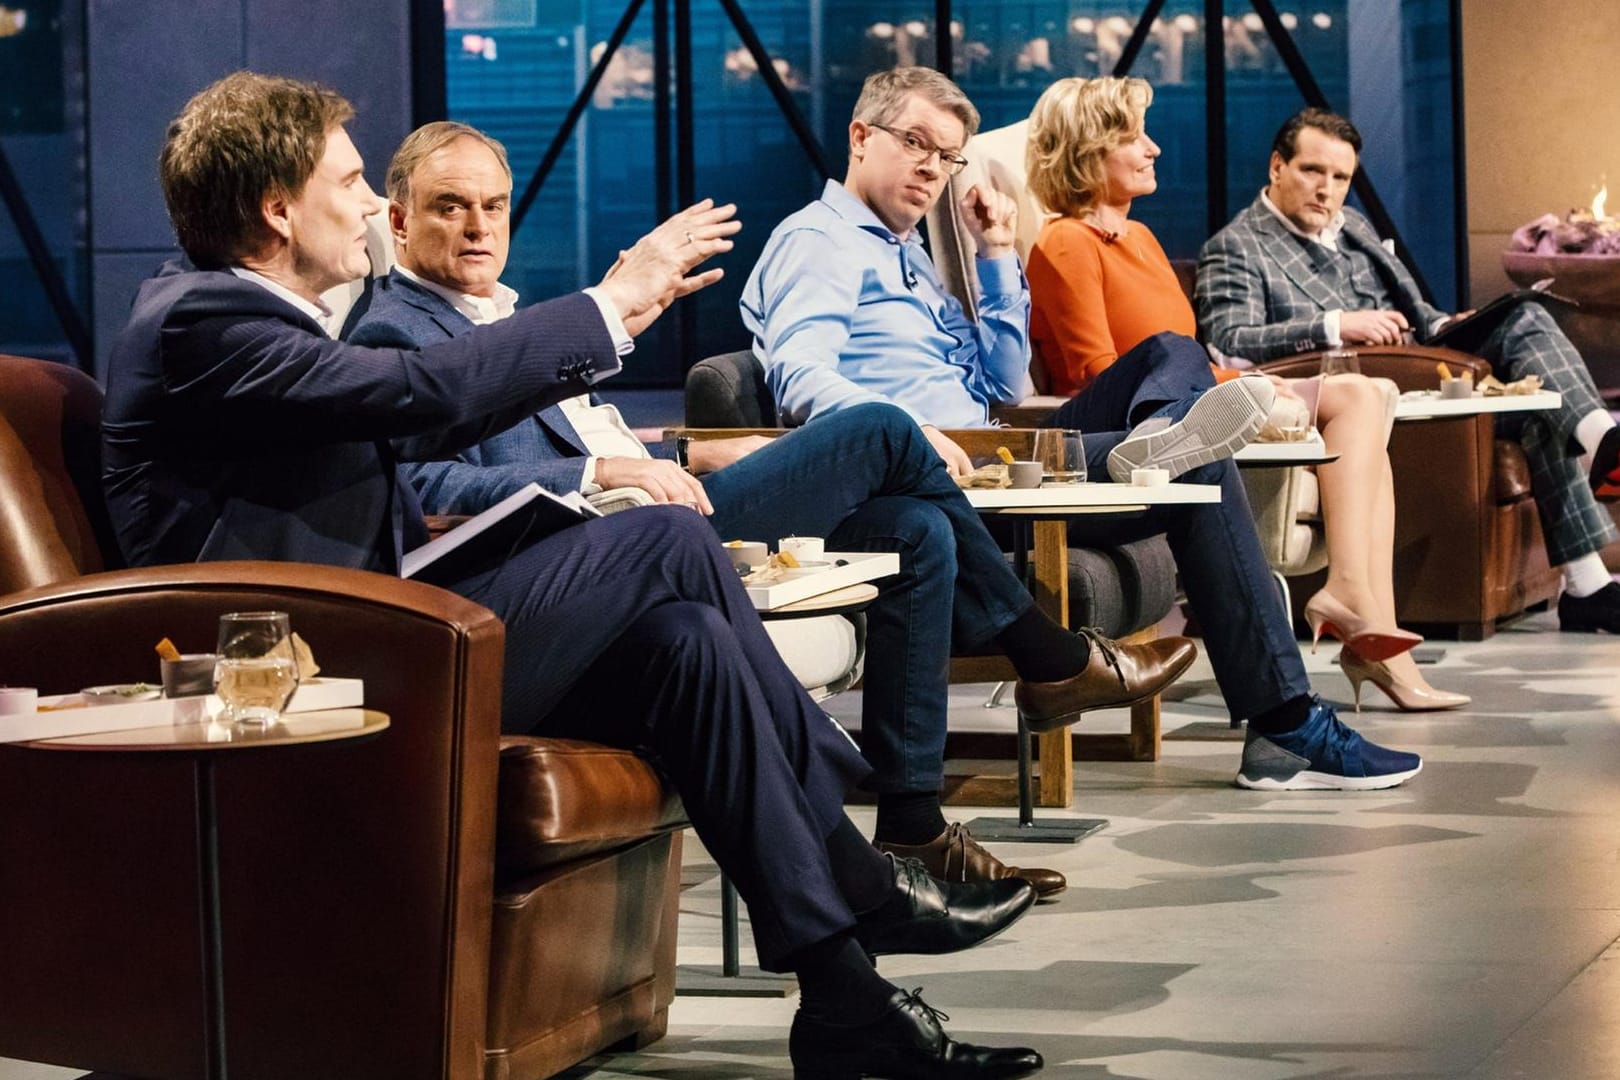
(195,732)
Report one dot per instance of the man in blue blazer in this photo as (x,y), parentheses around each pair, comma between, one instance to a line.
(237,427)
(866,480)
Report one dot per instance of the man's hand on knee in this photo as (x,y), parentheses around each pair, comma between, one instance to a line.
(665,481)
(957,463)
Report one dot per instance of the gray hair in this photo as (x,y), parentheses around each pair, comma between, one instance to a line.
(422,144)
(884,94)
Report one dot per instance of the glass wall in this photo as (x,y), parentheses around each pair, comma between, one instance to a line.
(42,140)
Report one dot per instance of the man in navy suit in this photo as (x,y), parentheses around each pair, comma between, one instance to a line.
(236,427)
(867,480)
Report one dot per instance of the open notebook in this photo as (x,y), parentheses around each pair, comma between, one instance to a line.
(488,539)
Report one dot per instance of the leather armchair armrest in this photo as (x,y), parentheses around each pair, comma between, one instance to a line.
(1411,367)
(344,860)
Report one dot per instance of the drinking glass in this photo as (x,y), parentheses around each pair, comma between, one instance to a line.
(1062,454)
(1334,362)
(255,673)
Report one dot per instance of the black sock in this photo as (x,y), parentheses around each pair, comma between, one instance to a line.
(1606,458)
(838,982)
(1284,718)
(909,817)
(1041,650)
(863,874)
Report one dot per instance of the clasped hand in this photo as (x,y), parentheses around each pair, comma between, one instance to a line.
(991,218)
(657,270)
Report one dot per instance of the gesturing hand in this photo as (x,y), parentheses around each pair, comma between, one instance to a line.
(990,218)
(657,270)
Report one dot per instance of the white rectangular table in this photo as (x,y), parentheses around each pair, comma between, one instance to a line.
(1429,405)
(1061,500)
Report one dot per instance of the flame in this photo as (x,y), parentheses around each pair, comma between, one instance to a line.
(1598,201)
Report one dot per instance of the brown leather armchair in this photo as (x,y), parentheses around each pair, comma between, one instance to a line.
(1468,543)
(440,902)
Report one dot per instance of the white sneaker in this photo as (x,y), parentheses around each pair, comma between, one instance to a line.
(1220,423)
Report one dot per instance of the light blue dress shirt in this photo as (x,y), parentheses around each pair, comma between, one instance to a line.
(844,312)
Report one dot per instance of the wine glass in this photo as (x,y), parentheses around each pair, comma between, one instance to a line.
(255,673)
(1334,362)
(1062,454)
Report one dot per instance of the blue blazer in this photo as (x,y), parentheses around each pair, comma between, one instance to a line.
(234,428)
(544,448)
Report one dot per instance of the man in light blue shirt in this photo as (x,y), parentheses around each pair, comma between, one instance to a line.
(846,309)
(836,340)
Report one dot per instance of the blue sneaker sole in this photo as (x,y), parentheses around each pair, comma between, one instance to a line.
(1306,780)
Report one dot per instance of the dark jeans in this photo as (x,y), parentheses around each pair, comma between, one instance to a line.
(1250,640)
(867,479)
(634,630)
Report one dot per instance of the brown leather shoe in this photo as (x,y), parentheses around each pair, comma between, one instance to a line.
(1115,675)
(954,855)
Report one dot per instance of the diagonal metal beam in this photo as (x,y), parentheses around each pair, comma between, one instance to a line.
(45,268)
(1215,196)
(1312,92)
(773,82)
(575,111)
(1139,36)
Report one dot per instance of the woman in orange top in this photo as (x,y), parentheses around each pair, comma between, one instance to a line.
(1101,284)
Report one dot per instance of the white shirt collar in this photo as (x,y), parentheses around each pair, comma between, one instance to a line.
(1328,237)
(481,310)
(319,312)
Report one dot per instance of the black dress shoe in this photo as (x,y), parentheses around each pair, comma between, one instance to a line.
(927,916)
(1114,675)
(1587,614)
(903,1043)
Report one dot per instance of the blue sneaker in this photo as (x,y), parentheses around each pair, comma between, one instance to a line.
(1322,754)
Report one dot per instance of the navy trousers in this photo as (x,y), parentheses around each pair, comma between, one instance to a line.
(634,630)
(867,479)
(1228,583)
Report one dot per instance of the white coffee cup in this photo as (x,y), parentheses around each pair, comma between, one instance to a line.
(16,700)
(803,548)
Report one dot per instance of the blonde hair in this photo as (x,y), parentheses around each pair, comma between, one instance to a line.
(426,141)
(1074,126)
(883,97)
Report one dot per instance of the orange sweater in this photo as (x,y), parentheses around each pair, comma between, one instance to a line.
(1094,298)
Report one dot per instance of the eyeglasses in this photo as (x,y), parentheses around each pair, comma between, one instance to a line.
(920,149)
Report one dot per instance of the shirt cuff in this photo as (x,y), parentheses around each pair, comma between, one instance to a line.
(623,343)
(1000,277)
(587,478)
(1330,329)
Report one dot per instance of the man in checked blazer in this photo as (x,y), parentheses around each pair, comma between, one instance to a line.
(1298,270)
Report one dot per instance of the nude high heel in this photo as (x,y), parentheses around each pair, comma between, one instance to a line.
(1407,697)
(1326,615)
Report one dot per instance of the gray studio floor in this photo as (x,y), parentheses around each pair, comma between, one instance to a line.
(1463,926)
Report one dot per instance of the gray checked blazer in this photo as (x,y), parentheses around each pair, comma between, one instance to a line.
(1260,297)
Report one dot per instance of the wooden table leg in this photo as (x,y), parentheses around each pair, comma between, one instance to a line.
(1052,594)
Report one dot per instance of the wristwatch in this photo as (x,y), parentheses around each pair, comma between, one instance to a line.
(683,446)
